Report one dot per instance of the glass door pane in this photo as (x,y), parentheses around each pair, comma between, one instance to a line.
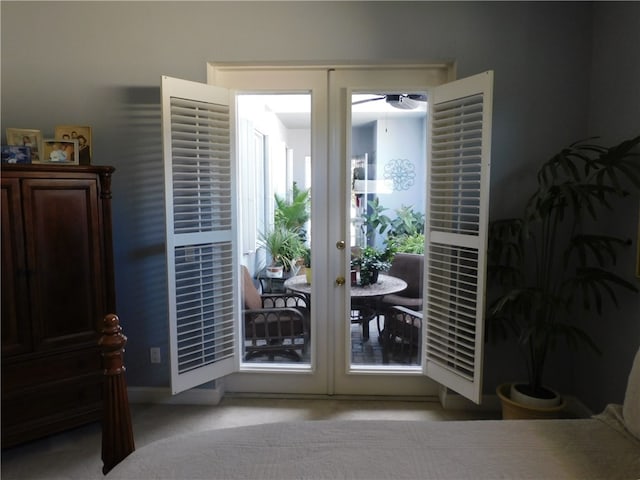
(388,152)
(275,226)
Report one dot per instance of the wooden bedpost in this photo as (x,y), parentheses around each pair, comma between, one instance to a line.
(117,433)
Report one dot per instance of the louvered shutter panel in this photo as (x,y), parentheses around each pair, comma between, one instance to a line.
(200,232)
(456,232)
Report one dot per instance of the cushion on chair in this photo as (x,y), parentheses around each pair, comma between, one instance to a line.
(408,267)
(399,299)
(631,405)
(250,293)
(279,323)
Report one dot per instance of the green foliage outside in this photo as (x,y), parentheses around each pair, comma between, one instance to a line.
(293,214)
(285,242)
(405,233)
(283,245)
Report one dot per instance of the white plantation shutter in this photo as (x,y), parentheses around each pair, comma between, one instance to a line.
(200,231)
(456,232)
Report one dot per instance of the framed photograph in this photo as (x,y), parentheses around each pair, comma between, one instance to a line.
(26,138)
(16,154)
(63,152)
(83,135)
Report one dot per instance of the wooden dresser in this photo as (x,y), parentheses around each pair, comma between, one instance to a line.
(57,286)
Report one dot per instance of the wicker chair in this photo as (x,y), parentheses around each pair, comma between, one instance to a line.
(402,335)
(409,267)
(275,324)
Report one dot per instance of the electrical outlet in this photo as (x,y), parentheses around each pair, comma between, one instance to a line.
(154,354)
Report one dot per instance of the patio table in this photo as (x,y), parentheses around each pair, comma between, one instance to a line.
(364,299)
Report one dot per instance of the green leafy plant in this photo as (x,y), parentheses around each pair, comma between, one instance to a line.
(374,221)
(407,243)
(283,245)
(293,214)
(554,262)
(407,222)
(371,261)
(404,233)
(306,257)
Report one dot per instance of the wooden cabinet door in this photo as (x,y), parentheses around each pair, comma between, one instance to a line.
(16,327)
(64,253)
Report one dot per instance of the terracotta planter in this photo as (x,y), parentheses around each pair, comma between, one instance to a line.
(512,410)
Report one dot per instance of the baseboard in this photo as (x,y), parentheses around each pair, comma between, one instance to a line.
(575,408)
(450,400)
(157,395)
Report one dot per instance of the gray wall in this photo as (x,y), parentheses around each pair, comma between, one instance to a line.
(614,114)
(562,71)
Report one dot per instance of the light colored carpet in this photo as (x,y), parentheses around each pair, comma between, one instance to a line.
(75,455)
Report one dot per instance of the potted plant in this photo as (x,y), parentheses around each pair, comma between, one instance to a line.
(404,233)
(407,243)
(306,259)
(370,262)
(293,214)
(284,246)
(374,221)
(555,260)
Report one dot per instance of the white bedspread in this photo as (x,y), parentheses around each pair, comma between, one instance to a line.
(595,448)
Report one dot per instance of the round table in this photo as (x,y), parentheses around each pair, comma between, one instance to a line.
(386,284)
(363,298)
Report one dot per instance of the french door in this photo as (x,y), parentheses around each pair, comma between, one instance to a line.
(449,188)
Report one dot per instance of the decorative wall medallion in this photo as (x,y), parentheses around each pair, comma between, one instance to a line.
(402,172)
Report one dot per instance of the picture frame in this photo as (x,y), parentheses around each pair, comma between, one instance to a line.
(27,138)
(80,133)
(16,154)
(60,152)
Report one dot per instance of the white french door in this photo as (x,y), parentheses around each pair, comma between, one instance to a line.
(455,190)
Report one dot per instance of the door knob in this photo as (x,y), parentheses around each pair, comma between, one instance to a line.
(340,245)
(340,281)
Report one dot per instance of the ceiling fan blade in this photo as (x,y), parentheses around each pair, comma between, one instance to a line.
(421,97)
(368,100)
(402,102)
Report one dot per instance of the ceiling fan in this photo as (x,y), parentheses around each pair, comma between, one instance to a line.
(403,101)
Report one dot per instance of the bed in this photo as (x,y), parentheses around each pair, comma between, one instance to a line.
(605,446)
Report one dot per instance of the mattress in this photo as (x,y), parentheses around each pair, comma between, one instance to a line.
(595,448)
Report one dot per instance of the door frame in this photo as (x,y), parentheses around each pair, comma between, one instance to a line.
(312,379)
(345,80)
(330,370)
(359,381)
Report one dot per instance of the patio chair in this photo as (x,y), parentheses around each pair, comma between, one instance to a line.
(275,324)
(408,267)
(402,335)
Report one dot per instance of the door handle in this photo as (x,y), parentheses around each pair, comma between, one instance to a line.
(340,244)
(340,281)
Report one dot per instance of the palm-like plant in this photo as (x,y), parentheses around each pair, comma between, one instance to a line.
(553,261)
(284,246)
(293,214)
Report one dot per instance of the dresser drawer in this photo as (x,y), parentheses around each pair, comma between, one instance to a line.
(37,412)
(50,401)
(36,371)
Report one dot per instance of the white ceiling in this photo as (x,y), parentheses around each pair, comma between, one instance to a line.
(294,110)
